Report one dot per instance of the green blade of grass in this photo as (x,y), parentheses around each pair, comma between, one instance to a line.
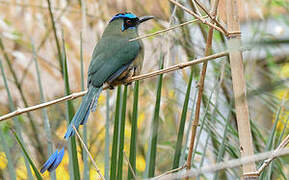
(121,135)
(270,141)
(15,120)
(270,144)
(203,121)
(114,155)
(152,150)
(60,60)
(179,143)
(11,168)
(204,155)
(107,138)
(35,134)
(44,110)
(133,135)
(283,131)
(280,168)
(85,155)
(222,147)
(184,154)
(37,174)
(70,113)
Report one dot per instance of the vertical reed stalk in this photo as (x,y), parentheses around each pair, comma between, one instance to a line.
(183,155)
(83,30)
(179,143)
(114,155)
(203,121)
(107,137)
(44,110)
(35,170)
(201,88)
(70,113)
(152,151)
(35,133)
(17,124)
(85,155)
(121,135)
(239,85)
(133,135)
(55,37)
(222,147)
(11,169)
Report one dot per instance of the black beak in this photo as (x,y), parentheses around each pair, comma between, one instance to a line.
(144,18)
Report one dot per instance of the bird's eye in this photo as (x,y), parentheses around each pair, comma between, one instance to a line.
(129,22)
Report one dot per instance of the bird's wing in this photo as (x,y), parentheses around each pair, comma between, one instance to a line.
(110,55)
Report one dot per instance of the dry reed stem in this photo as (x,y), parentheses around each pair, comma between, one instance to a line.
(178,66)
(201,87)
(239,86)
(169,172)
(227,164)
(198,17)
(266,163)
(165,30)
(93,162)
(39,106)
(140,77)
(195,8)
(213,16)
(129,165)
(26,5)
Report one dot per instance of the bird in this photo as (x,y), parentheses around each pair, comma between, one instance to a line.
(115,59)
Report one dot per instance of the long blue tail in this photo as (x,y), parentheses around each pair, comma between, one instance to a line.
(88,104)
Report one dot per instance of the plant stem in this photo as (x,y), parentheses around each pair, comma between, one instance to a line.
(114,155)
(121,135)
(133,136)
(55,37)
(35,133)
(239,86)
(135,78)
(201,89)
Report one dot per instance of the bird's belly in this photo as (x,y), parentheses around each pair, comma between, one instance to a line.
(123,77)
(133,70)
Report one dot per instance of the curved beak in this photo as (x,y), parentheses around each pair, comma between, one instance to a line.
(144,18)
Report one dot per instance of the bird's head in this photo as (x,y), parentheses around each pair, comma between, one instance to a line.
(128,20)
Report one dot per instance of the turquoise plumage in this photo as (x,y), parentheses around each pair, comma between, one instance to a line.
(114,60)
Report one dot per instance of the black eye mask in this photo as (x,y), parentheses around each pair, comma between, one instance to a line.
(129,23)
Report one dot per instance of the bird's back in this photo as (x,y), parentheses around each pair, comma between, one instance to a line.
(112,52)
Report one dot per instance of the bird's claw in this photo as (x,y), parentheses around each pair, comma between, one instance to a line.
(128,81)
(110,87)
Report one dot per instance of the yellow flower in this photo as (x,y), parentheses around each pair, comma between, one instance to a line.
(141,118)
(140,163)
(171,94)
(3,160)
(285,71)
(21,171)
(101,99)
(282,94)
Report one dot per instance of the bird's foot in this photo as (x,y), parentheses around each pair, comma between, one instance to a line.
(128,81)
(110,87)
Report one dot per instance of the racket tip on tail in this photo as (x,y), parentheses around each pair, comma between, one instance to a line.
(53,161)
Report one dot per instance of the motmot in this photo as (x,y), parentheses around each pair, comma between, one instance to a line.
(115,59)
